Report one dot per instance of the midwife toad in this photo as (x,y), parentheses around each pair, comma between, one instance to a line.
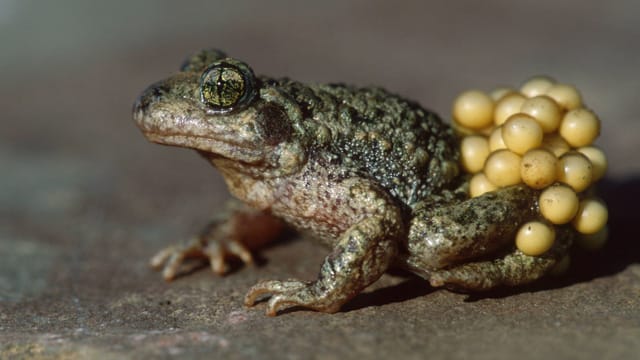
(372,175)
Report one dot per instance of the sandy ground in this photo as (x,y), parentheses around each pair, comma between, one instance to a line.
(85,200)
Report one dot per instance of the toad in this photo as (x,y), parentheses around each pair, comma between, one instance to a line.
(372,175)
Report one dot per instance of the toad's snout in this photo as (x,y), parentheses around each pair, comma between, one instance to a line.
(143,104)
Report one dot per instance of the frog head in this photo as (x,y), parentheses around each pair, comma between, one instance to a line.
(217,106)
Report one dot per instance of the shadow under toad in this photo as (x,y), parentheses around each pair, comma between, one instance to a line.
(411,288)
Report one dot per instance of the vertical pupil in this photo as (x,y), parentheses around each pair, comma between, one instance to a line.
(228,87)
(219,84)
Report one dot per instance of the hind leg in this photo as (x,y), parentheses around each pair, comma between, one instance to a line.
(514,268)
(464,243)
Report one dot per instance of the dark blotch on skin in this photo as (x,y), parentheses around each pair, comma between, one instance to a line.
(273,124)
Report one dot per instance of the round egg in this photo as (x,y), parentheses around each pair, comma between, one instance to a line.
(474,150)
(508,105)
(575,170)
(495,139)
(591,217)
(479,184)
(567,96)
(502,168)
(558,204)
(546,112)
(580,127)
(537,85)
(597,158)
(539,168)
(555,143)
(535,238)
(473,109)
(521,133)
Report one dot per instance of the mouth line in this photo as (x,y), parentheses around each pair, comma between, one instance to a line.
(226,149)
(183,140)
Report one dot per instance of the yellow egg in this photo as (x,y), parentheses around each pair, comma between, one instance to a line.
(546,112)
(479,184)
(539,168)
(521,133)
(535,238)
(592,216)
(593,242)
(598,160)
(473,109)
(495,140)
(474,150)
(566,96)
(537,85)
(510,104)
(502,168)
(556,144)
(498,93)
(580,127)
(558,204)
(574,169)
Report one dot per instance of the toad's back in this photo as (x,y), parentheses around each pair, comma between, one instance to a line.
(369,132)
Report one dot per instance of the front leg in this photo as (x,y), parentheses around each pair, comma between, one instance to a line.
(362,254)
(235,232)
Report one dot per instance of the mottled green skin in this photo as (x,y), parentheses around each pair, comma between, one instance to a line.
(370,174)
(370,133)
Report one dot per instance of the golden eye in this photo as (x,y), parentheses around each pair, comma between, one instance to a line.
(227,85)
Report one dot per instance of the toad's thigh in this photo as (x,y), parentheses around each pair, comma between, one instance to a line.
(441,236)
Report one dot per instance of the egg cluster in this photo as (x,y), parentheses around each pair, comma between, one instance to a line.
(540,135)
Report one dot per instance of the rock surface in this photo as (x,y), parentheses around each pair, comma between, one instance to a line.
(85,201)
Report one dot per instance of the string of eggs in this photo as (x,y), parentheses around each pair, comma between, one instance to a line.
(540,135)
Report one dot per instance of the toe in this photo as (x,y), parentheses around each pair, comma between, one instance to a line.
(239,250)
(160,258)
(276,302)
(264,287)
(215,254)
(172,265)
(282,291)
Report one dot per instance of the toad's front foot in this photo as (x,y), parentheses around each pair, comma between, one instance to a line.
(292,293)
(360,257)
(238,230)
(174,260)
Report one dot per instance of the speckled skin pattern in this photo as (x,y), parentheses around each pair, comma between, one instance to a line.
(373,176)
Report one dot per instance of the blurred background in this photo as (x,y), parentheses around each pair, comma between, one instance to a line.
(85,200)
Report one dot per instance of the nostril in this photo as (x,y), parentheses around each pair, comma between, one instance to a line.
(138,110)
(140,107)
(150,95)
(137,105)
